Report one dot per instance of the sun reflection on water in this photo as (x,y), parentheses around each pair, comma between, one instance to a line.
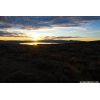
(36,43)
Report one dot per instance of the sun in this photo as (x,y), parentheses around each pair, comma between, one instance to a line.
(34,36)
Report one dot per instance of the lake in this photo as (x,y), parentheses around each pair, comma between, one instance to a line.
(36,43)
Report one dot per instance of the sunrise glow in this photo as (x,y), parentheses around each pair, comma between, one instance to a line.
(36,28)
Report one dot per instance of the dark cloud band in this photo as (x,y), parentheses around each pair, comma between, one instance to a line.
(45,21)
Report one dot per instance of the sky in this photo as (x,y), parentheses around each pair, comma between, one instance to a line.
(35,28)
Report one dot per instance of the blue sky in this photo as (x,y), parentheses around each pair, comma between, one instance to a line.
(50,27)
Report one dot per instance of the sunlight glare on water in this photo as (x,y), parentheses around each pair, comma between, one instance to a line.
(36,43)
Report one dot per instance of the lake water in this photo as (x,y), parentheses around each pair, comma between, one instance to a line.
(36,43)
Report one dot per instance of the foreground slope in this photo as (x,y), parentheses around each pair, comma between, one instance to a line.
(73,62)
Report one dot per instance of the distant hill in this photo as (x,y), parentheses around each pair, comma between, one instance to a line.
(45,41)
(48,41)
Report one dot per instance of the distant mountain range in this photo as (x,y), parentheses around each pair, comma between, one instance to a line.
(43,41)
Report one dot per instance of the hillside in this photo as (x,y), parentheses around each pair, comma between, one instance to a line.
(72,62)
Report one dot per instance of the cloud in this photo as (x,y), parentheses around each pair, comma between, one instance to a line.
(16,34)
(36,22)
(41,22)
(59,37)
(10,34)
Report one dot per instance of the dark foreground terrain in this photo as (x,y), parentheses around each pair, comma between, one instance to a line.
(50,63)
